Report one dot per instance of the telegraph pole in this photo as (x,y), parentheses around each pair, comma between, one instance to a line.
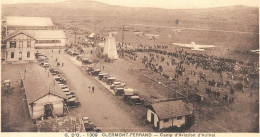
(75,32)
(123,30)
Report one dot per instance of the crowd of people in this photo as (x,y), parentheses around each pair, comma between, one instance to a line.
(237,70)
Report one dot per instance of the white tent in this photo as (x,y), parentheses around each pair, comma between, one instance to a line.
(110,47)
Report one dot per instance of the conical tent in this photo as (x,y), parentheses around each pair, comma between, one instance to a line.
(110,47)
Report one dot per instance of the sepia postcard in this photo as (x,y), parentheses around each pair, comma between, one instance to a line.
(130,68)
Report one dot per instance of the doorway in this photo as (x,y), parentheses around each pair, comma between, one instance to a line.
(48,109)
(20,55)
(152,118)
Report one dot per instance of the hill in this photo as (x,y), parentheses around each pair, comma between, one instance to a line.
(100,17)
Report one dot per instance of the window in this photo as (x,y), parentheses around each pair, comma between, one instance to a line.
(48,41)
(12,55)
(28,44)
(166,120)
(12,44)
(20,44)
(28,54)
(179,117)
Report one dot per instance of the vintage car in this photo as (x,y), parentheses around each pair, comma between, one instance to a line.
(116,83)
(66,90)
(85,61)
(105,77)
(62,86)
(46,65)
(53,71)
(136,100)
(79,57)
(60,79)
(110,80)
(101,75)
(57,78)
(72,102)
(128,93)
(90,68)
(95,72)
(90,126)
(119,91)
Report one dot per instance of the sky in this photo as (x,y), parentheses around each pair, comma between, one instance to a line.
(169,4)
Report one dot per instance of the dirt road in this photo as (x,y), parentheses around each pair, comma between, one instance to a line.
(107,111)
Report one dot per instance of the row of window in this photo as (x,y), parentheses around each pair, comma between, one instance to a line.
(178,118)
(48,41)
(20,53)
(21,44)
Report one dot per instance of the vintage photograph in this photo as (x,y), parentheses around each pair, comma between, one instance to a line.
(130,66)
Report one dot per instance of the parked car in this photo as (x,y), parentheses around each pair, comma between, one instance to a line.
(54,71)
(90,68)
(110,80)
(46,65)
(85,61)
(79,57)
(95,72)
(136,100)
(101,75)
(116,83)
(90,126)
(128,93)
(63,86)
(119,91)
(105,77)
(72,102)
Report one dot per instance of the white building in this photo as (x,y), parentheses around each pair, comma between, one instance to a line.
(41,28)
(19,46)
(170,114)
(44,95)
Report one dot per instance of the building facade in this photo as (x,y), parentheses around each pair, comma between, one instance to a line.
(20,47)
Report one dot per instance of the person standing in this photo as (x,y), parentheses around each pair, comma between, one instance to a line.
(93,89)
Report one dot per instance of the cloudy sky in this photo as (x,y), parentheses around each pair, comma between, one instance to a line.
(170,4)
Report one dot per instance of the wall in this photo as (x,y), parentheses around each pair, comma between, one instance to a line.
(24,49)
(172,122)
(38,109)
(156,119)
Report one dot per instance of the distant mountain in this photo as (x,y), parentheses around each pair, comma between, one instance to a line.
(239,17)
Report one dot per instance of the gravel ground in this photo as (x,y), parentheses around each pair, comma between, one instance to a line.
(107,111)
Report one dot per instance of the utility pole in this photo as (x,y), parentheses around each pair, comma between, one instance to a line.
(75,32)
(123,30)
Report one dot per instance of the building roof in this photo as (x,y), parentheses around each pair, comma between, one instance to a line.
(28,21)
(61,124)
(171,109)
(47,34)
(18,32)
(37,84)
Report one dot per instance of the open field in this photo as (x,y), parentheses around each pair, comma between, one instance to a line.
(238,33)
